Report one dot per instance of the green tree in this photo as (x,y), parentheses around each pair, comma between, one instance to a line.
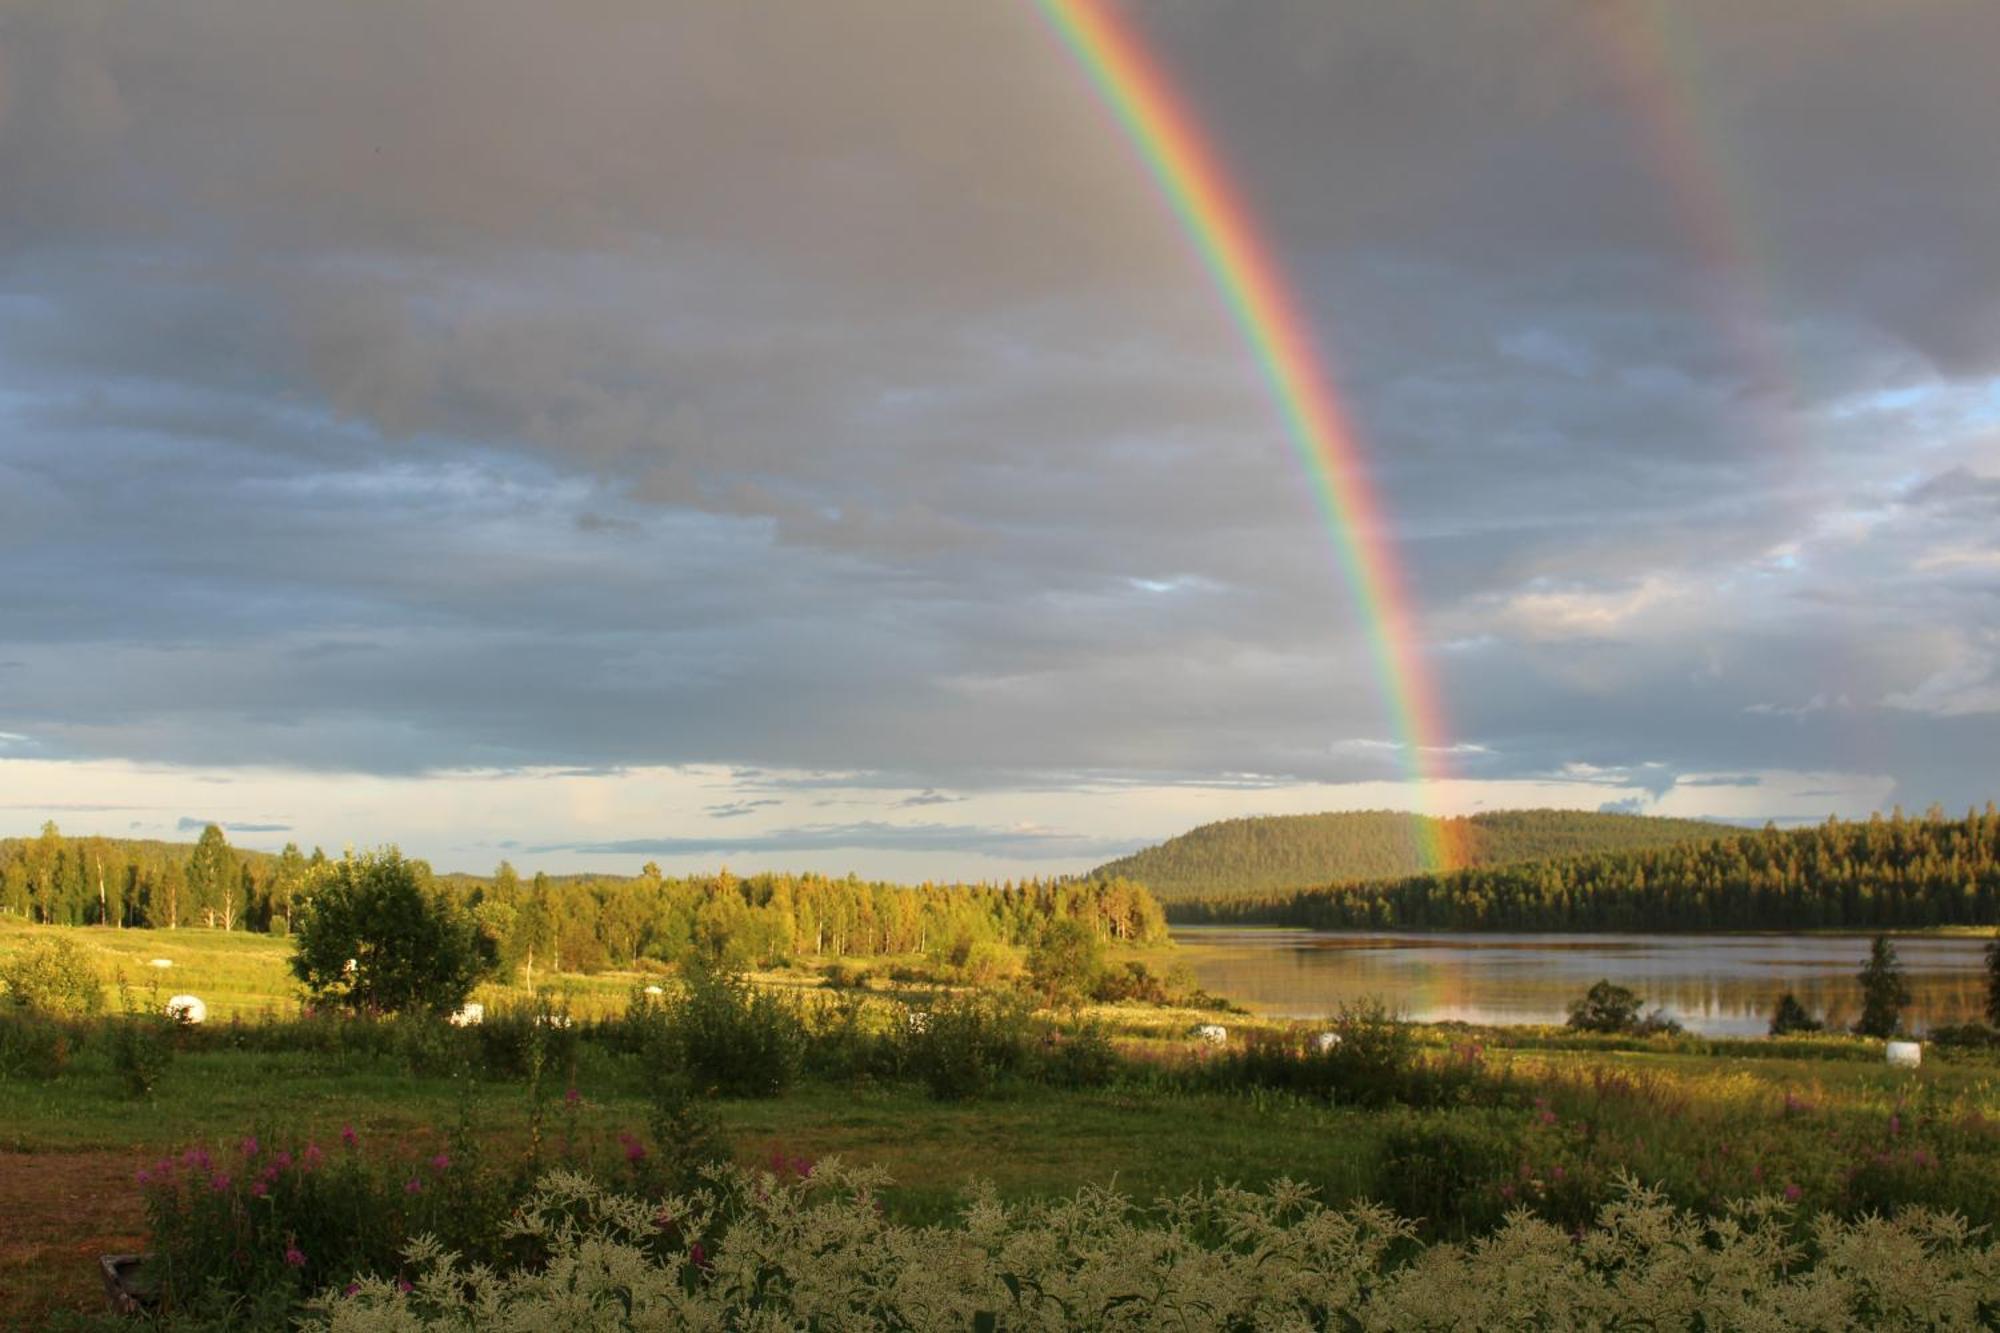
(213,877)
(1066,961)
(1605,1008)
(1885,993)
(373,939)
(53,976)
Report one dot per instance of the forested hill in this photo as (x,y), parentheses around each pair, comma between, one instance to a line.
(1881,872)
(1260,856)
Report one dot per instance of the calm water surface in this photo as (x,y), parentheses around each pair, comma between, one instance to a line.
(1715,984)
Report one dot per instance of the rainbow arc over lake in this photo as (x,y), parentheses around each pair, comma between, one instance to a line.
(1246,269)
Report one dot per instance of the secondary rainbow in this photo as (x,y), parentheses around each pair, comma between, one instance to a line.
(1246,270)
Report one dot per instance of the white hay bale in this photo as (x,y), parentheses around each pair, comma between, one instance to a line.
(1906,1054)
(655,990)
(1326,1041)
(348,968)
(917,1020)
(187,1009)
(470,1015)
(159,962)
(1213,1033)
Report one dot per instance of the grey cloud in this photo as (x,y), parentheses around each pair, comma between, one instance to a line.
(188,824)
(831,391)
(870,835)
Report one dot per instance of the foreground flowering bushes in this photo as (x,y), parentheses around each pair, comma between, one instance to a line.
(781,1250)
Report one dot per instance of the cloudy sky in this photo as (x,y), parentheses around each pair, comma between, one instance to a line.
(799,435)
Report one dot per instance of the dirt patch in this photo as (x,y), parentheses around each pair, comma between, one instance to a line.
(58,1213)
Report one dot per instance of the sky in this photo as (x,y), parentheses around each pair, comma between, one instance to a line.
(801,436)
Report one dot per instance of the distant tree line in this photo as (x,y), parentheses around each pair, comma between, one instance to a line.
(1269,854)
(570,923)
(1882,872)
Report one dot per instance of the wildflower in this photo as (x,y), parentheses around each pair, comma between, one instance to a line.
(414,1185)
(219,1182)
(195,1158)
(1895,1124)
(1792,1193)
(348,1136)
(440,1162)
(281,1161)
(635,1151)
(1547,1116)
(1922,1157)
(571,1096)
(260,1188)
(351,1289)
(1555,1173)
(250,1146)
(145,1177)
(295,1257)
(802,1167)
(403,1284)
(698,1256)
(310,1159)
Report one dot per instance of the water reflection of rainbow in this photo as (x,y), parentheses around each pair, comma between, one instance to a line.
(1246,269)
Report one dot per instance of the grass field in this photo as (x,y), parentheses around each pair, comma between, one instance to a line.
(1546,1119)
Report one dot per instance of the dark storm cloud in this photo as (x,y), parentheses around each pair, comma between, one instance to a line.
(454,384)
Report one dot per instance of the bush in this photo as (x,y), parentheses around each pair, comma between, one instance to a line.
(519,1041)
(1446,1171)
(729,1035)
(32,1045)
(142,1045)
(53,977)
(844,976)
(769,1250)
(968,1043)
(1065,963)
(1790,1017)
(1082,1057)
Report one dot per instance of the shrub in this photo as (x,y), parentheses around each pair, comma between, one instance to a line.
(844,976)
(1446,1171)
(1081,1057)
(968,1043)
(768,1250)
(1370,1063)
(142,1045)
(54,977)
(1790,1017)
(516,1041)
(32,1045)
(730,1035)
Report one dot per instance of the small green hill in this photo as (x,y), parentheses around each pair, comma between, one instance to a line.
(1269,853)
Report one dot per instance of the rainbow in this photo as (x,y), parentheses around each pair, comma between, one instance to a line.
(1247,272)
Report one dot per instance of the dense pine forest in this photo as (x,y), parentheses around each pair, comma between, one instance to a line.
(1881,872)
(572,923)
(1261,856)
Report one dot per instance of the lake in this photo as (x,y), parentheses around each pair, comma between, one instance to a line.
(1715,984)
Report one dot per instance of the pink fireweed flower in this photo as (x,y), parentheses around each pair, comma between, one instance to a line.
(260,1188)
(1793,1193)
(413,1185)
(311,1157)
(281,1161)
(1922,1157)
(698,1256)
(196,1159)
(635,1151)
(351,1289)
(440,1162)
(571,1097)
(802,1166)
(1547,1117)
(348,1136)
(250,1146)
(219,1182)
(144,1177)
(1895,1124)
(295,1257)
(403,1284)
